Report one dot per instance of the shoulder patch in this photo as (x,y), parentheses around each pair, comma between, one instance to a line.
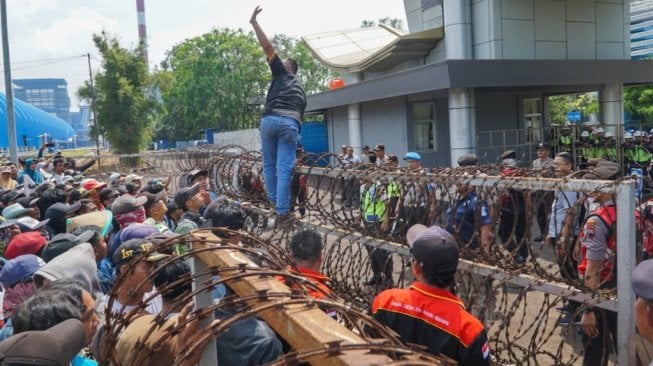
(486,350)
(590,227)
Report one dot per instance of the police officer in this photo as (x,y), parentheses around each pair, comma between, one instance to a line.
(597,267)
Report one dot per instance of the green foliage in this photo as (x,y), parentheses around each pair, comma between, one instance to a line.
(312,74)
(122,104)
(560,105)
(211,81)
(638,100)
(219,80)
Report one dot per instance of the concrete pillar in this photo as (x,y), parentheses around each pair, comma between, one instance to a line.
(458,29)
(611,101)
(462,123)
(354,119)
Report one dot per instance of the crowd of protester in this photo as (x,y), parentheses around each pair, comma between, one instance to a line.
(69,237)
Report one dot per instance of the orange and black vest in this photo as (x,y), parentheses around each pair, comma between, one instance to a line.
(607,213)
(435,318)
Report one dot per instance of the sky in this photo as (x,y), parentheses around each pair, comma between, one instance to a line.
(50,38)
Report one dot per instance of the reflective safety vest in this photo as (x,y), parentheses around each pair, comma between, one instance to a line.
(565,142)
(374,203)
(638,155)
(608,215)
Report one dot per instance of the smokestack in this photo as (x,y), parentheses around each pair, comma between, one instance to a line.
(142,32)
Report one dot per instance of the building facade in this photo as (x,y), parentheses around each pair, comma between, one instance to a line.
(482,66)
(641,29)
(50,95)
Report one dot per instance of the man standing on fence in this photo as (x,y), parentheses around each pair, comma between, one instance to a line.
(280,126)
(597,266)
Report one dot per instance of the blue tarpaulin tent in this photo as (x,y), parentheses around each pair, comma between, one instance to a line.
(32,122)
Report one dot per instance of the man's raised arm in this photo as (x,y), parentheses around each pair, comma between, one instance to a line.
(262,38)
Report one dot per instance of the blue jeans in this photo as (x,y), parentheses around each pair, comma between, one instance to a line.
(279,141)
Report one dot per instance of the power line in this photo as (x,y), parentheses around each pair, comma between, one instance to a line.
(43,62)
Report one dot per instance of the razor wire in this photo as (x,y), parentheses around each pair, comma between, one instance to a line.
(521,318)
(266,261)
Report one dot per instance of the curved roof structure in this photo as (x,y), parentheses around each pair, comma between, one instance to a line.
(375,48)
(31,122)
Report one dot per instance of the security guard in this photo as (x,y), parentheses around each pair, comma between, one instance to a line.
(427,313)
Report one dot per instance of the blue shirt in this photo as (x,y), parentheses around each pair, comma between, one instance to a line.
(461,219)
(561,204)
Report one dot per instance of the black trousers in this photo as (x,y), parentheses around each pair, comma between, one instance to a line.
(514,222)
(543,201)
(597,349)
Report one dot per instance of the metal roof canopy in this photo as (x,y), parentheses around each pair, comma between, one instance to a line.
(488,74)
(375,48)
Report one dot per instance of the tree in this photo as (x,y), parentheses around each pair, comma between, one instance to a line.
(214,80)
(390,22)
(122,104)
(217,80)
(312,74)
(638,100)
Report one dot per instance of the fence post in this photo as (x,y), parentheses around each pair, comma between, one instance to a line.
(626,261)
(203,300)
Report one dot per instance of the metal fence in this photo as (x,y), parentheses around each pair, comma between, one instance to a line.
(522,327)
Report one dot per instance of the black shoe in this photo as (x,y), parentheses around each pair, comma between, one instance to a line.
(285,221)
(539,239)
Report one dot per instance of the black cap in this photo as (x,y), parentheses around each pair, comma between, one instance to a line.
(379,147)
(509,154)
(436,251)
(184,194)
(641,280)
(11,196)
(366,147)
(131,248)
(58,211)
(468,160)
(153,198)
(64,241)
(542,145)
(194,173)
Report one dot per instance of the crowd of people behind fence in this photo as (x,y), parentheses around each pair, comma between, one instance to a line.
(69,238)
(580,228)
(588,142)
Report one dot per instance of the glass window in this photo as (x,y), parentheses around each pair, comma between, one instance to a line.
(424,126)
(533,119)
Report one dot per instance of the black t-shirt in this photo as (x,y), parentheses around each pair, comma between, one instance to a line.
(285,96)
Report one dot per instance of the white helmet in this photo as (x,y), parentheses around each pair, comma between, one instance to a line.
(585,134)
(628,135)
(609,134)
(599,130)
(637,134)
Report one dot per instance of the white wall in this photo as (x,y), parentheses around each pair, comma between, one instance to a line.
(249,139)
